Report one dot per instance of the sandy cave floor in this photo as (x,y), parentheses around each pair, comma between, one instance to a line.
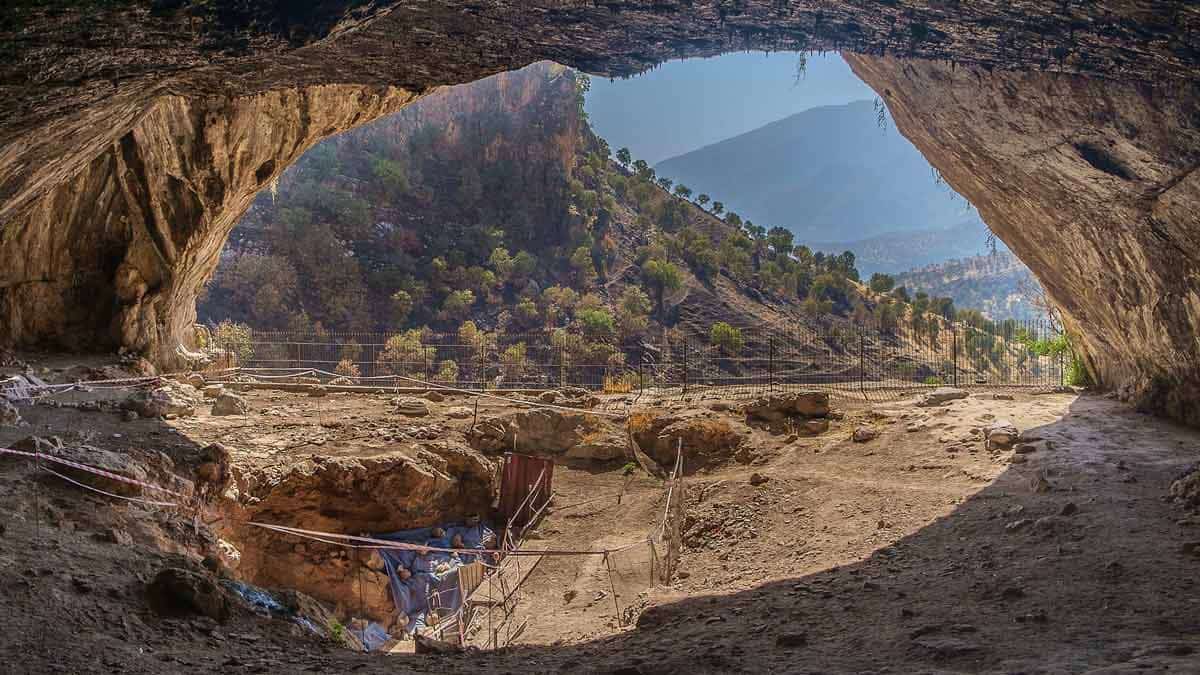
(896,555)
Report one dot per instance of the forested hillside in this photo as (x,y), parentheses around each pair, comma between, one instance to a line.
(999,285)
(493,208)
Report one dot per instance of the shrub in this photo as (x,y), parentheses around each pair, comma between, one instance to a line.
(347,368)
(403,354)
(597,324)
(934,380)
(512,361)
(447,372)
(235,340)
(728,338)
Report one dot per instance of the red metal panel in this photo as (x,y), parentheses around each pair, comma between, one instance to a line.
(521,473)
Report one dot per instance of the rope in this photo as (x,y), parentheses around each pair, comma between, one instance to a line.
(433,385)
(91,469)
(107,494)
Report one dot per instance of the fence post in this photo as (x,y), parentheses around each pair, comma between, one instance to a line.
(954,350)
(425,353)
(1061,376)
(685,370)
(862,360)
(771,363)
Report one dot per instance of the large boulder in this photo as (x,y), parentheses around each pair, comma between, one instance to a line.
(941,396)
(180,592)
(778,407)
(541,430)
(213,471)
(230,404)
(171,398)
(703,437)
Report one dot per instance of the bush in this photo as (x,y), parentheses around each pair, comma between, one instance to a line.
(347,368)
(597,324)
(934,380)
(235,340)
(447,372)
(403,354)
(728,338)
(512,361)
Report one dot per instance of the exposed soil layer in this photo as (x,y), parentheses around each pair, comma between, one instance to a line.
(917,550)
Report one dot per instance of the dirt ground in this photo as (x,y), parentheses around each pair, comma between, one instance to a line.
(918,551)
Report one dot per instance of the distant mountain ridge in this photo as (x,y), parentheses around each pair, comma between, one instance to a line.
(826,173)
(896,252)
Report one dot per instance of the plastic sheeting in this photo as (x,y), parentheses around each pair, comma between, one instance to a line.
(429,590)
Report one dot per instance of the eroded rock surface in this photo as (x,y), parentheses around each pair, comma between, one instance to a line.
(1094,184)
(411,486)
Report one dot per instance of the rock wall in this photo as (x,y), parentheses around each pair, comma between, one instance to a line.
(115,255)
(417,486)
(1094,184)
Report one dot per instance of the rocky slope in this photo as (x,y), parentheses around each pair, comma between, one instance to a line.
(79,79)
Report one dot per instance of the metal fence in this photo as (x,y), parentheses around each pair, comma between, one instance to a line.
(864,359)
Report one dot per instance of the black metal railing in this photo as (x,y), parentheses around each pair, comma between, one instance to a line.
(866,359)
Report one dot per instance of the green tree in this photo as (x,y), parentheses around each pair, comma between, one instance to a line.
(665,183)
(633,310)
(581,262)
(703,199)
(718,208)
(402,306)
(683,192)
(882,283)
(662,278)
(457,304)
(597,324)
(502,263)
(726,337)
(624,157)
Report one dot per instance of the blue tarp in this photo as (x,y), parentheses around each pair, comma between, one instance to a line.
(412,595)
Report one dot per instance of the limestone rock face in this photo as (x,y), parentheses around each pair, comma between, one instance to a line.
(703,438)
(116,251)
(1094,184)
(779,407)
(543,430)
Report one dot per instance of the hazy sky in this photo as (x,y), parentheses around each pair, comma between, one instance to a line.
(684,105)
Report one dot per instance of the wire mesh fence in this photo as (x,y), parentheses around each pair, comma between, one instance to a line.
(864,359)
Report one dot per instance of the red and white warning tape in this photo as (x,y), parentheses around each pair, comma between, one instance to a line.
(92,469)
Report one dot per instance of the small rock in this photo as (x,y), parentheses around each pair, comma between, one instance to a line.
(9,415)
(230,404)
(941,396)
(548,396)
(864,434)
(1191,548)
(817,426)
(459,413)
(435,396)
(1002,397)
(758,479)
(1018,525)
(411,407)
(1001,434)
(791,640)
(1068,509)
